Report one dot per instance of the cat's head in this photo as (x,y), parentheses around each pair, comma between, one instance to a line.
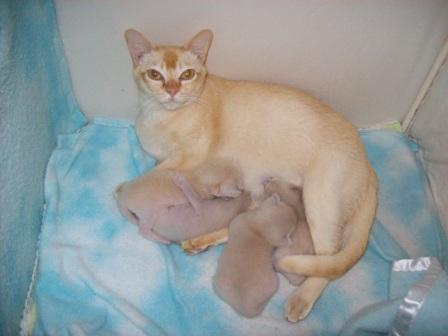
(172,75)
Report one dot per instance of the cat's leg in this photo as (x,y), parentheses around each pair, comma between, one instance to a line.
(323,204)
(340,208)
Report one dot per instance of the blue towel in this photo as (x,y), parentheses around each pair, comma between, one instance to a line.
(36,104)
(97,276)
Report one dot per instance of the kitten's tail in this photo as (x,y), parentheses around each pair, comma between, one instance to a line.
(334,266)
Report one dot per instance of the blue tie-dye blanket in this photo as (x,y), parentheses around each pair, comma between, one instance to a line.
(97,276)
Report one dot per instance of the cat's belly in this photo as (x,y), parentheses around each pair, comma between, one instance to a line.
(255,179)
(257,170)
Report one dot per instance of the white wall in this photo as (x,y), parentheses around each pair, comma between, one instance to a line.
(430,127)
(367,58)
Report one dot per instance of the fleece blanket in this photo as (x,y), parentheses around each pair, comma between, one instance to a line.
(36,104)
(97,276)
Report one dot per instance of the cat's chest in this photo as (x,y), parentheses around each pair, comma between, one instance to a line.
(153,137)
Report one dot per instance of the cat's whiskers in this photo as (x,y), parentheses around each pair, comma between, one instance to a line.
(195,99)
(150,104)
(200,103)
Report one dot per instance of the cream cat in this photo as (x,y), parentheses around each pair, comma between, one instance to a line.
(188,117)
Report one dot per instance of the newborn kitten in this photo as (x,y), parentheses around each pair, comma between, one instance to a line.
(245,277)
(299,242)
(166,207)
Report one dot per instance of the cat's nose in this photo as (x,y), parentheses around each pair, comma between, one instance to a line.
(172,91)
(172,87)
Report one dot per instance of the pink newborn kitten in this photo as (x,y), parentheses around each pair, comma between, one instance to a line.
(245,277)
(300,241)
(169,206)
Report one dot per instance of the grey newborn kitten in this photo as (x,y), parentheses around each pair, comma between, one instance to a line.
(245,277)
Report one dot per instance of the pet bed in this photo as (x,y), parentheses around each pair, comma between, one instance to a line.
(97,276)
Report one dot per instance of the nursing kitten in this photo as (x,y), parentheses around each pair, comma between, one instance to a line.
(171,206)
(299,241)
(188,117)
(245,277)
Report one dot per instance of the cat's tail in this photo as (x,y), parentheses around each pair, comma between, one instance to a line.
(334,266)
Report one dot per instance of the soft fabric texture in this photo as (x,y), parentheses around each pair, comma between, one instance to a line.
(97,275)
(36,104)
(416,305)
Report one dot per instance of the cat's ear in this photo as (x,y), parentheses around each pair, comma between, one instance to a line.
(138,45)
(200,44)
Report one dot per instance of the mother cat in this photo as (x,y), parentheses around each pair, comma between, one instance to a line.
(188,117)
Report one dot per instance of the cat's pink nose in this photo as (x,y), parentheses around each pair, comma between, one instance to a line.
(172,91)
(172,87)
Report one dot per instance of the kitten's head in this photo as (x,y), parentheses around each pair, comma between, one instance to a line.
(174,76)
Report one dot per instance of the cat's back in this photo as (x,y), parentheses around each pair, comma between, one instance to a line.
(260,121)
(260,95)
(275,109)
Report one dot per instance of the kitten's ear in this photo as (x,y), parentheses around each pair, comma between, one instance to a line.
(138,45)
(200,44)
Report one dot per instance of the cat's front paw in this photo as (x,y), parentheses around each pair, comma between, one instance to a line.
(192,247)
(202,243)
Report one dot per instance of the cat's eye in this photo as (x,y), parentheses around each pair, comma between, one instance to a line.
(187,74)
(154,75)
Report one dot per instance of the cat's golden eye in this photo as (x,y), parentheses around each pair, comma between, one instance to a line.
(187,74)
(154,75)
